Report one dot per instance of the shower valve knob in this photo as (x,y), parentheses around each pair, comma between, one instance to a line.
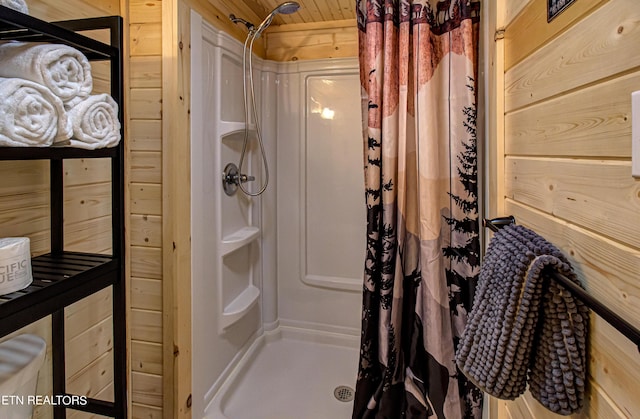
(231,178)
(245,178)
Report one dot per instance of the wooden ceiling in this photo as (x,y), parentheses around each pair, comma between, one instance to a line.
(311,11)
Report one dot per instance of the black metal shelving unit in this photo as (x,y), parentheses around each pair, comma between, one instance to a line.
(61,278)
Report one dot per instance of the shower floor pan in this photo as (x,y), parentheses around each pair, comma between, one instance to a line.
(291,373)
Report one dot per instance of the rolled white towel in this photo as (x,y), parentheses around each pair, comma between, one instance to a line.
(19,5)
(95,123)
(61,68)
(30,115)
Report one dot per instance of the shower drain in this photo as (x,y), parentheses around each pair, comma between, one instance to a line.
(343,393)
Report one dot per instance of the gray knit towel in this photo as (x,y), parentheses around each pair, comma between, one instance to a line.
(525,326)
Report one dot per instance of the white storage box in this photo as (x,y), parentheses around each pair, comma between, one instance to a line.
(15,264)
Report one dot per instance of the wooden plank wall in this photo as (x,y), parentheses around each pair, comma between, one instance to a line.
(24,211)
(176,206)
(312,41)
(145,192)
(567,165)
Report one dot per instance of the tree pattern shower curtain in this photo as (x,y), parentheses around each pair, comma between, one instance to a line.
(418,70)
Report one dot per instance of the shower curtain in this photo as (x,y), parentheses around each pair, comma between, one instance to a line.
(418,71)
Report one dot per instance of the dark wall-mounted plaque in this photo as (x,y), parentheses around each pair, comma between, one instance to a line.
(554,7)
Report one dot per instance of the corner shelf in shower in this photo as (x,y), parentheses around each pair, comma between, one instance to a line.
(240,306)
(228,127)
(235,264)
(238,239)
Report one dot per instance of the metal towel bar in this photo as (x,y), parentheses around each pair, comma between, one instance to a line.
(594,305)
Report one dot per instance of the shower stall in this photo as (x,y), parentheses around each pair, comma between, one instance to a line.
(276,277)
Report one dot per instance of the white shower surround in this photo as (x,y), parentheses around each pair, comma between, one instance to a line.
(306,294)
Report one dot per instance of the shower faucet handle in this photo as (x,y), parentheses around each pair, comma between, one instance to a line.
(231,178)
(245,178)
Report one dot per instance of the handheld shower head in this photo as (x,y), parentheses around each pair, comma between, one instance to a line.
(286,8)
(237,179)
